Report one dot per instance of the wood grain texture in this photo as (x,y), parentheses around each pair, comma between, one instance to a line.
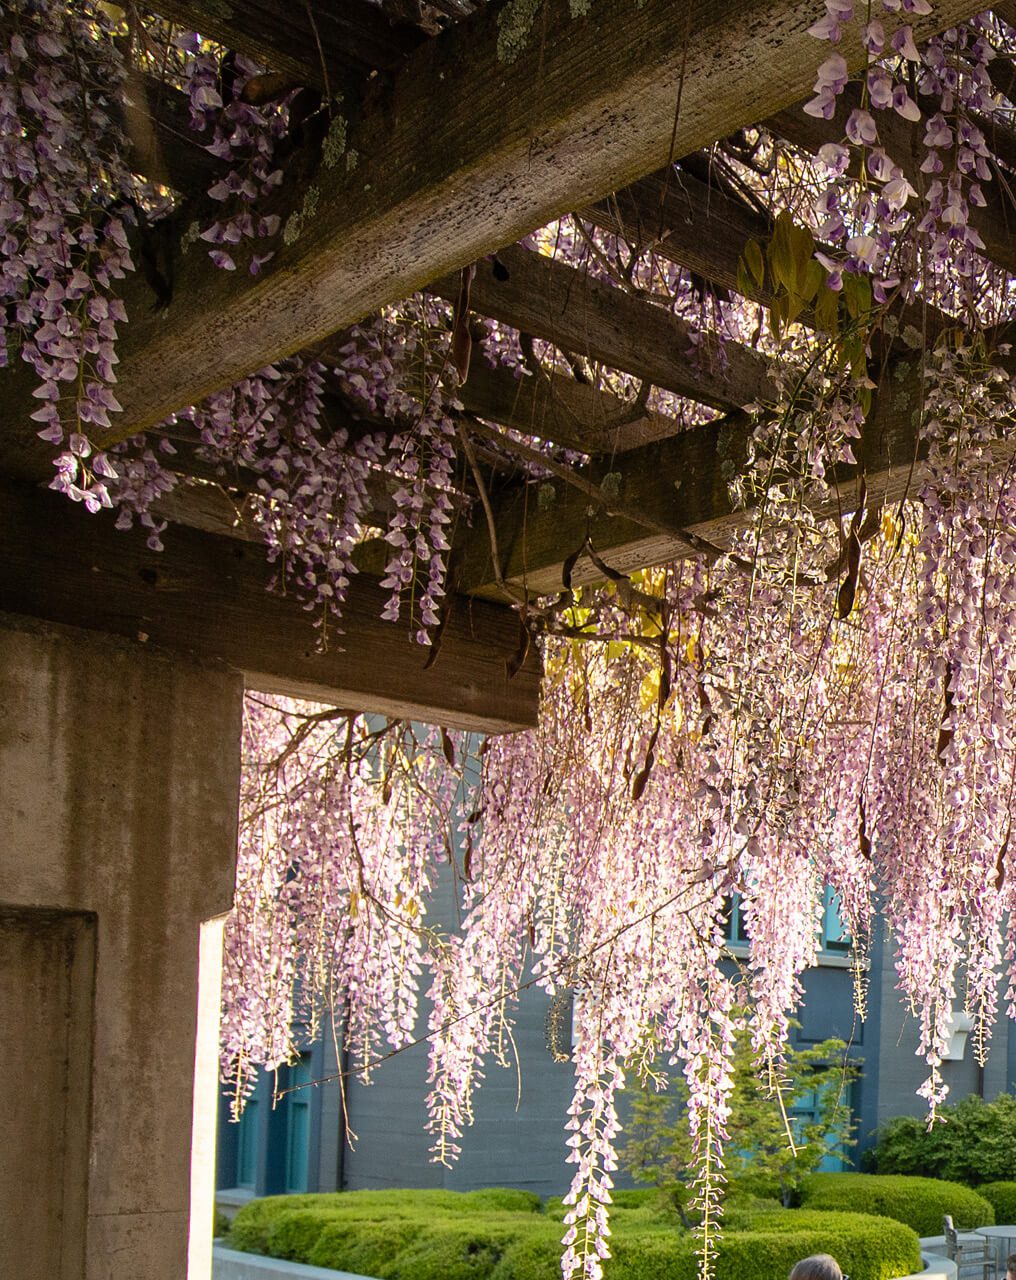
(682,484)
(685,221)
(558,408)
(207,595)
(511,118)
(583,315)
(315,43)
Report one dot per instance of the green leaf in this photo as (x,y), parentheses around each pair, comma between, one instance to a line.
(755,262)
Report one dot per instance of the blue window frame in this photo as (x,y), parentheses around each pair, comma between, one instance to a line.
(297,1106)
(247,1146)
(834,934)
(834,939)
(805,1111)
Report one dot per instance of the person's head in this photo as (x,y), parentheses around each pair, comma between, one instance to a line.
(1010,1267)
(820,1266)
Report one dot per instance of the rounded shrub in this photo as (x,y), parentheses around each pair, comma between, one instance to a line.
(250,1228)
(500,1200)
(363,1248)
(459,1249)
(294,1234)
(867,1248)
(920,1203)
(1002,1198)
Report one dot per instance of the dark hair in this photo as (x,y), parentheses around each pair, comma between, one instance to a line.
(820,1266)
(1010,1262)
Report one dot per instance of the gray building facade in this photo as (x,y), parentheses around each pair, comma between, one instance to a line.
(518,1137)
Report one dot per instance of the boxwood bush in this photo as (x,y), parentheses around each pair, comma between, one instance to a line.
(920,1203)
(974,1143)
(867,1249)
(442,1235)
(1002,1198)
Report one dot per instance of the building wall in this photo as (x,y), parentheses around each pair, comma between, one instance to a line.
(518,1136)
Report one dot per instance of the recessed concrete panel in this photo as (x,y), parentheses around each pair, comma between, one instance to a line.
(47,966)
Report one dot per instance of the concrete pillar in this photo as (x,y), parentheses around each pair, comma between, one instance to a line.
(119,775)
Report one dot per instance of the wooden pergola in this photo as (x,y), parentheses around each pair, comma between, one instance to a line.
(460,127)
(456,129)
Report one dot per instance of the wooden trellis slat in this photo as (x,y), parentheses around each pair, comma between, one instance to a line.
(583,315)
(681,484)
(561,110)
(686,221)
(208,596)
(559,408)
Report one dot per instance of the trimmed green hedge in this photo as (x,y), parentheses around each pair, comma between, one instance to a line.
(866,1248)
(254,1223)
(442,1235)
(1002,1198)
(920,1203)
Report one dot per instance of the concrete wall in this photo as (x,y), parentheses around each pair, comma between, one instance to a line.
(119,774)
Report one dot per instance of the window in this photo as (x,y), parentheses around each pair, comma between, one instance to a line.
(806,1111)
(733,924)
(834,938)
(247,1146)
(834,935)
(297,1106)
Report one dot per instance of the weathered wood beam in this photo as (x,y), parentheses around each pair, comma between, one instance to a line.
(315,43)
(163,147)
(485,132)
(583,315)
(207,596)
(685,221)
(562,409)
(652,495)
(698,226)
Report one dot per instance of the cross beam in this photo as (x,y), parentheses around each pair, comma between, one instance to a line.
(208,596)
(653,495)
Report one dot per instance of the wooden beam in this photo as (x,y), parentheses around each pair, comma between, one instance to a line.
(705,230)
(685,221)
(207,596)
(315,43)
(681,484)
(562,409)
(163,146)
(521,113)
(567,306)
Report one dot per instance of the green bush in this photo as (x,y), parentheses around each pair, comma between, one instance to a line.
(866,1248)
(443,1235)
(294,1234)
(499,1200)
(250,1227)
(918,1202)
(973,1143)
(220,1224)
(456,1250)
(1002,1198)
(363,1248)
